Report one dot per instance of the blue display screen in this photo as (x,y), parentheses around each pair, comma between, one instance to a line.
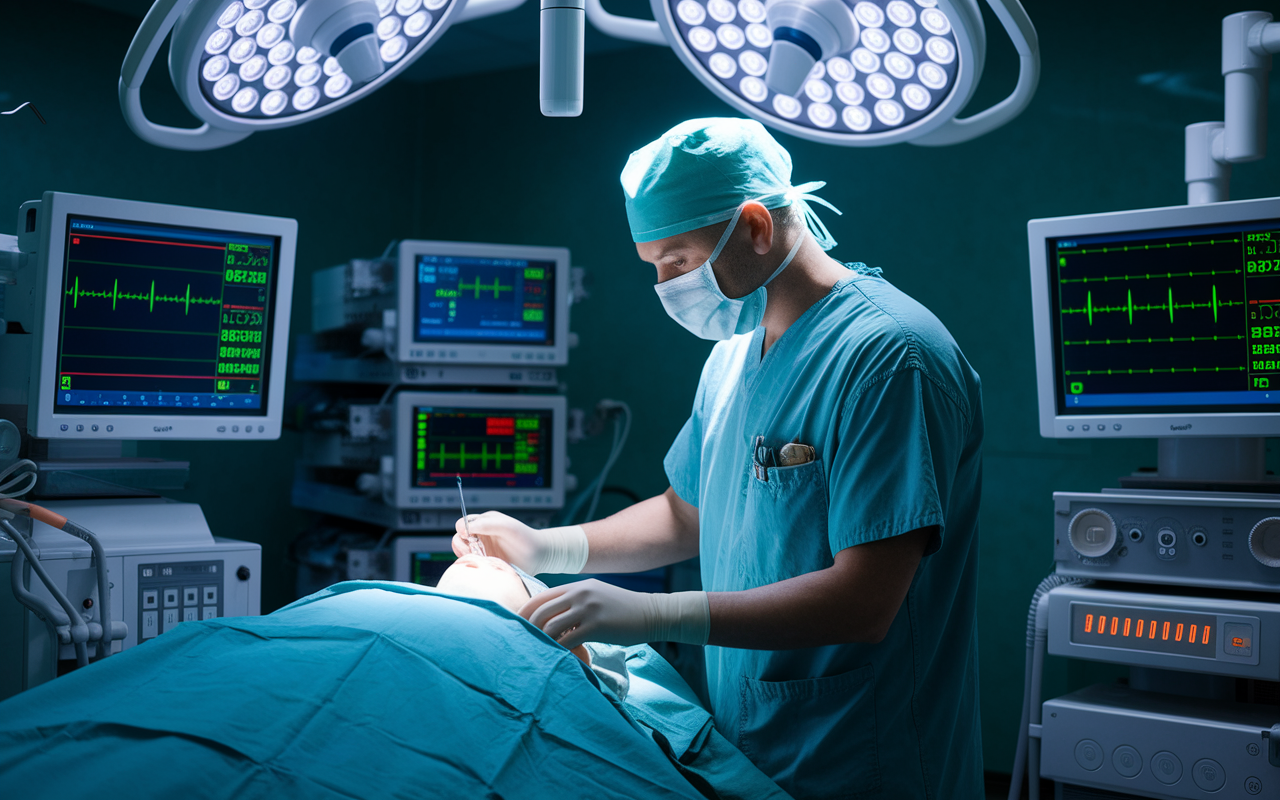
(467,299)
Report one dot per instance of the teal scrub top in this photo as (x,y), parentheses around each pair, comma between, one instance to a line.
(874,382)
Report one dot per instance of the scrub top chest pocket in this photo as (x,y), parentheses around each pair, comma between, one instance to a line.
(785,523)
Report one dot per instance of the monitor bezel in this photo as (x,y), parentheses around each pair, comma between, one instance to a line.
(409,351)
(479,500)
(46,423)
(1139,425)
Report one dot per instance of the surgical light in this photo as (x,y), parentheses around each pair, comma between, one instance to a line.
(246,65)
(847,72)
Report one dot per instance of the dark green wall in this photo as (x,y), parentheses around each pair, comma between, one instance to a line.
(471,158)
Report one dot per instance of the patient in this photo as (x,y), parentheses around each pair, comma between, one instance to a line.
(490,578)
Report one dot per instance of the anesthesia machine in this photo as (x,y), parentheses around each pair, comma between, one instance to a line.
(127,321)
(1165,323)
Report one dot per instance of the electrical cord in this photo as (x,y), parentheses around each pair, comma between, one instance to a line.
(1026,760)
(593,490)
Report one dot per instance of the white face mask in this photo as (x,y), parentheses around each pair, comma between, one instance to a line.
(695,301)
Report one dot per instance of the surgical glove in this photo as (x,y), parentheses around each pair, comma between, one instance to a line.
(594,611)
(553,550)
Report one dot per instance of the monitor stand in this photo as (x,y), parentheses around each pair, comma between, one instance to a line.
(1208,465)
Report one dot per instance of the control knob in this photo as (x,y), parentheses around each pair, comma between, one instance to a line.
(1092,532)
(1264,542)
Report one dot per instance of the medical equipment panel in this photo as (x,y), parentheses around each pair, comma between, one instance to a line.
(1159,745)
(509,450)
(1214,635)
(1209,539)
(1158,322)
(164,566)
(154,321)
(422,559)
(467,303)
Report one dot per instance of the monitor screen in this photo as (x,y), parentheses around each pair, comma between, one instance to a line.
(1166,320)
(509,450)
(427,568)
(477,300)
(490,448)
(160,319)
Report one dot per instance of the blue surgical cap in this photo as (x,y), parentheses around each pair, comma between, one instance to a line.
(700,171)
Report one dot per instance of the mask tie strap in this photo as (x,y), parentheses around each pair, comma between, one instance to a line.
(795,248)
(801,196)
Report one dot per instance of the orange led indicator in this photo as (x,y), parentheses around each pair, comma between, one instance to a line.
(1191,637)
(1126,626)
(1102,623)
(1139,629)
(1088,623)
(1164,633)
(1237,641)
(1114,622)
(1205,640)
(1152,635)
(1178,637)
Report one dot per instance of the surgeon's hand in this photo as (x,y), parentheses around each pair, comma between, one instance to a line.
(594,611)
(554,550)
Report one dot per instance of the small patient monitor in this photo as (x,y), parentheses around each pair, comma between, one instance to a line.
(509,450)
(467,303)
(423,559)
(154,321)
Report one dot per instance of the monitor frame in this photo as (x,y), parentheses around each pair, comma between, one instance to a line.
(479,500)
(50,245)
(409,351)
(1137,425)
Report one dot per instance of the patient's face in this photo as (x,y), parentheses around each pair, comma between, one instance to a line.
(485,578)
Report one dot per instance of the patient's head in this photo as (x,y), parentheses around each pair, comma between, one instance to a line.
(485,578)
(489,578)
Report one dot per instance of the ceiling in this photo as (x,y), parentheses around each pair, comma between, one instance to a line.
(500,42)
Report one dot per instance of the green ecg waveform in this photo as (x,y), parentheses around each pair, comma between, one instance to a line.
(462,456)
(496,287)
(1169,306)
(150,296)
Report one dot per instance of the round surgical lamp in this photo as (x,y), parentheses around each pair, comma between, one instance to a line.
(849,72)
(248,65)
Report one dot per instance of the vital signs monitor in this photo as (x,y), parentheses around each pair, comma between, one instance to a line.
(508,449)
(467,303)
(1160,322)
(156,321)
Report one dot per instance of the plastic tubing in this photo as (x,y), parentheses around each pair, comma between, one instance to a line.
(79,631)
(1033,674)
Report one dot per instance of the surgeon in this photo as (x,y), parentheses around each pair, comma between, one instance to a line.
(828,478)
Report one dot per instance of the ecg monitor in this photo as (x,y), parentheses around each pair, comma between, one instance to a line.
(508,449)
(466,303)
(157,321)
(1159,322)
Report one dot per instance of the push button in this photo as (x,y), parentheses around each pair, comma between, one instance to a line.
(170,619)
(1127,761)
(191,596)
(190,615)
(1208,775)
(210,595)
(1089,754)
(1237,639)
(149,624)
(150,599)
(1166,767)
(210,612)
(171,598)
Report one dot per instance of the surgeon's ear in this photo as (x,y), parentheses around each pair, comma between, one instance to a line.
(759,224)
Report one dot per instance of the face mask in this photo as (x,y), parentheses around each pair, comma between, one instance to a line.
(695,301)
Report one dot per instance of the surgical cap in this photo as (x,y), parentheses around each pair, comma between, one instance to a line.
(699,172)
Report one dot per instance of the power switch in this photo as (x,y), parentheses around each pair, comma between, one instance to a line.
(1237,639)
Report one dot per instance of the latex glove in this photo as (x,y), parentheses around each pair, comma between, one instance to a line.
(595,611)
(554,550)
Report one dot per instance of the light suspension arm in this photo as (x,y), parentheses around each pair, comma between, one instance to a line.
(479,9)
(629,28)
(1023,34)
(142,52)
